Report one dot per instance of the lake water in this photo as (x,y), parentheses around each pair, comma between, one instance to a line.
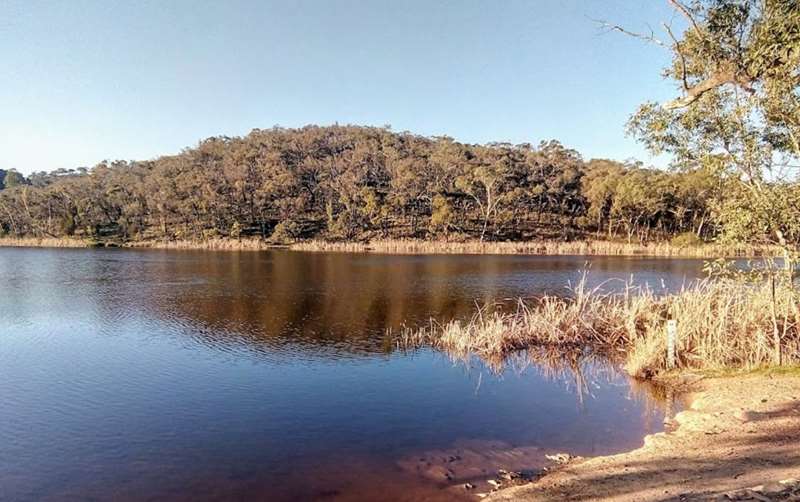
(182,375)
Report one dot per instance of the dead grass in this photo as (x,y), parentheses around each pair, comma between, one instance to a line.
(215,244)
(585,247)
(416,246)
(45,242)
(721,324)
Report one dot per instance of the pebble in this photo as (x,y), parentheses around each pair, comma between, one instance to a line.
(559,458)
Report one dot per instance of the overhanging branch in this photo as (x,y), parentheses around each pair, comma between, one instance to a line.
(716,80)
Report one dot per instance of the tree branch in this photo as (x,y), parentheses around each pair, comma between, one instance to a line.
(679,50)
(718,79)
(688,15)
(651,38)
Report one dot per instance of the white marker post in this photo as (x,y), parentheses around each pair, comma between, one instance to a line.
(672,339)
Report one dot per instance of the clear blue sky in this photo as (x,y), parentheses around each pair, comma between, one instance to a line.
(82,81)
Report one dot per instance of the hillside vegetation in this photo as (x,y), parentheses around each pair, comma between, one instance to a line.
(353,183)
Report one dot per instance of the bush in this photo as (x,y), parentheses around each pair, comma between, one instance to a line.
(285,232)
(686,239)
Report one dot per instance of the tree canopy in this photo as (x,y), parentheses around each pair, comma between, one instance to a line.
(737,66)
(350,182)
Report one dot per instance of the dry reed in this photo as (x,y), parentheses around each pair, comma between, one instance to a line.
(543,247)
(213,244)
(45,242)
(722,324)
(417,246)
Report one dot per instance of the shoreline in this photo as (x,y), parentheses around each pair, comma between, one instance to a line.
(421,247)
(737,440)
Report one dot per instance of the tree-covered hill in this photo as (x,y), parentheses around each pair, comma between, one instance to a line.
(350,182)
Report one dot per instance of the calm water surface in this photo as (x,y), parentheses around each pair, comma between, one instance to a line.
(179,375)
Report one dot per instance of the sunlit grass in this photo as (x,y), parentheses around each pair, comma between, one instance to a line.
(721,325)
(215,244)
(47,242)
(542,247)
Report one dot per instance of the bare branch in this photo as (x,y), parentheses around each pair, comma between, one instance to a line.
(687,14)
(650,38)
(679,50)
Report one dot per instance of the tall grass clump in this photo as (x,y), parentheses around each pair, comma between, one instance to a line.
(721,324)
(724,324)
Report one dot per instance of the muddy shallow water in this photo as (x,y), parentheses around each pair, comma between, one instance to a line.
(181,375)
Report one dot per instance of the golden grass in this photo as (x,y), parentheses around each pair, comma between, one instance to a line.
(45,242)
(543,247)
(417,246)
(721,324)
(215,244)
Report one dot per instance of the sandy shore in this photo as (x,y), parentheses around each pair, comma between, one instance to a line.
(739,440)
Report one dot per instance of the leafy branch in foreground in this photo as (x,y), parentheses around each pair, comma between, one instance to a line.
(737,65)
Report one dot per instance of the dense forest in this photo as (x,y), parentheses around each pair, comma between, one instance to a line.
(350,182)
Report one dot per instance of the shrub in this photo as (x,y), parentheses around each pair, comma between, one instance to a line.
(285,232)
(686,239)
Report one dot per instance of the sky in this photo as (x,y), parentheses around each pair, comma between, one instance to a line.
(83,81)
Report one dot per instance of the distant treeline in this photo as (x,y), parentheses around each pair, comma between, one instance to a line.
(349,182)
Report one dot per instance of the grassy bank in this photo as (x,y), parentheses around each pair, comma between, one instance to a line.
(721,324)
(45,242)
(416,246)
(216,244)
(209,244)
(544,247)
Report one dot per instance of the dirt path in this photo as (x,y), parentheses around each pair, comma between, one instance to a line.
(738,440)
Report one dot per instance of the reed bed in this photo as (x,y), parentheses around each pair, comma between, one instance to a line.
(213,244)
(418,246)
(45,242)
(542,247)
(721,324)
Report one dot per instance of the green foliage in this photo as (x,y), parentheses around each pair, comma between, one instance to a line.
(236,230)
(686,239)
(738,63)
(10,179)
(442,214)
(285,232)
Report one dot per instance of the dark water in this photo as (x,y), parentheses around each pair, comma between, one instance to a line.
(156,375)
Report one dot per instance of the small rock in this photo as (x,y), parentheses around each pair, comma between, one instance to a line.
(772,488)
(494,483)
(469,486)
(560,458)
(504,474)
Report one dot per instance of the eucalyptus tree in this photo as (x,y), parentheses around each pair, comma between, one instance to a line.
(737,66)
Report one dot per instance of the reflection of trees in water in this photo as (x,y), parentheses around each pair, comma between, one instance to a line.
(327,301)
(339,302)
